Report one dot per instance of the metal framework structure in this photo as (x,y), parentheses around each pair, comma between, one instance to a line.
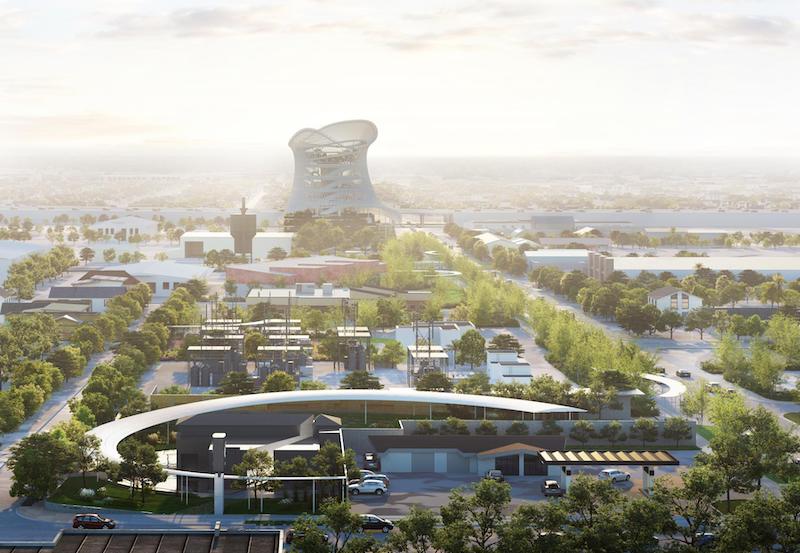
(330,169)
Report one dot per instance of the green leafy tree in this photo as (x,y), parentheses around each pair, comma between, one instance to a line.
(434,382)
(69,360)
(109,254)
(477,384)
(677,428)
(670,320)
(644,429)
(342,523)
(582,431)
(360,380)
(86,255)
(699,319)
(453,425)
(696,401)
(37,463)
(236,383)
(414,532)
(470,349)
(612,433)
(472,523)
(255,464)
(276,253)
(140,466)
(279,381)
(392,354)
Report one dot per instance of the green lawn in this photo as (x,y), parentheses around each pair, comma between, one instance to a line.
(118,497)
(794,417)
(705,431)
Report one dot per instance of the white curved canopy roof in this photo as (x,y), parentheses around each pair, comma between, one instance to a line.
(359,130)
(675,388)
(112,433)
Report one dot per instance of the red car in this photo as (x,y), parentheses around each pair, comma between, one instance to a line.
(92,521)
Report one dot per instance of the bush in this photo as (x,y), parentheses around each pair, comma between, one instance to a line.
(153,439)
(517,428)
(424,427)
(486,428)
(454,425)
(711,366)
(550,428)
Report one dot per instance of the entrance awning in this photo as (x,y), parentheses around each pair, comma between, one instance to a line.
(588,458)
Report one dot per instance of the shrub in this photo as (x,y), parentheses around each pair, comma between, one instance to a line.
(550,428)
(153,439)
(454,425)
(486,428)
(517,428)
(424,427)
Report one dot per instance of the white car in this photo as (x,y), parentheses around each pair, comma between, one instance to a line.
(614,475)
(368,486)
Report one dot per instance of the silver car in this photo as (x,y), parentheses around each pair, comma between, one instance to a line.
(368,486)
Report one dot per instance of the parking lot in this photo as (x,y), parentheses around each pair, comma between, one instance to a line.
(432,490)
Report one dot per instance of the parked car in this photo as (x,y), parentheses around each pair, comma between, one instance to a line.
(92,521)
(371,461)
(551,488)
(659,370)
(299,535)
(374,522)
(380,477)
(705,540)
(495,475)
(614,475)
(368,486)
(683,373)
(713,387)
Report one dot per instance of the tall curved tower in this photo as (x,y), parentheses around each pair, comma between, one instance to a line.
(330,169)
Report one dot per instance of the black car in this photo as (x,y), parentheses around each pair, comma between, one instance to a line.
(683,373)
(374,522)
(372,461)
(495,475)
(92,521)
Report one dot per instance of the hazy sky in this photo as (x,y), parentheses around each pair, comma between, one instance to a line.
(483,77)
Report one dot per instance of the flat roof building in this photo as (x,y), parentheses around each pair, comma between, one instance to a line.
(602,266)
(564,259)
(318,268)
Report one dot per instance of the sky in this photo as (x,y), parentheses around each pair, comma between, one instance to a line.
(439,78)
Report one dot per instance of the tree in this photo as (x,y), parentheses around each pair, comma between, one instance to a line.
(506,341)
(255,464)
(338,518)
(360,380)
(470,349)
(236,383)
(279,381)
(645,430)
(692,502)
(696,400)
(612,433)
(86,255)
(87,454)
(677,428)
(414,532)
(472,523)
(140,466)
(276,254)
(476,384)
(314,538)
(636,317)
(772,291)
(313,385)
(252,341)
(392,353)
(109,254)
(391,312)
(486,428)
(69,360)
(37,462)
(670,320)
(230,287)
(767,366)
(699,319)
(582,431)
(434,382)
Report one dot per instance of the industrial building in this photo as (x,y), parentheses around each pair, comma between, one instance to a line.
(564,259)
(318,268)
(198,243)
(601,266)
(128,225)
(164,276)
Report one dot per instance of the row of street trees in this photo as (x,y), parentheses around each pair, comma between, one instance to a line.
(25,275)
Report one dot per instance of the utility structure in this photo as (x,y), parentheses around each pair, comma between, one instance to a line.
(423,355)
(353,342)
(330,170)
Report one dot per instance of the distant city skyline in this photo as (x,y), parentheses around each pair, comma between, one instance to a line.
(491,78)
